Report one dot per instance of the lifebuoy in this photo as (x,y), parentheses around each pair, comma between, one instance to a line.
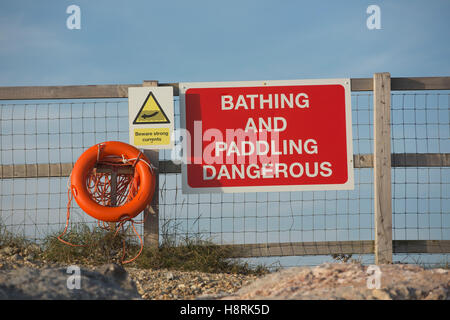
(144,180)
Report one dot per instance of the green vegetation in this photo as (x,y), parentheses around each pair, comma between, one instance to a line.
(90,247)
(7,239)
(101,246)
(196,255)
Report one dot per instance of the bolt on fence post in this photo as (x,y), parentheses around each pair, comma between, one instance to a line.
(151,213)
(382,167)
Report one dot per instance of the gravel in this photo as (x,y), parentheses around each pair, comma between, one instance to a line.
(40,279)
(24,276)
(171,284)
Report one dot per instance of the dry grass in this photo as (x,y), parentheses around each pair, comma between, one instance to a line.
(103,246)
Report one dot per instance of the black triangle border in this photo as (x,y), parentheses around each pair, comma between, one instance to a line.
(142,107)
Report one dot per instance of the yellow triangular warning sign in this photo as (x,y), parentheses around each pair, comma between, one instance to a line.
(151,112)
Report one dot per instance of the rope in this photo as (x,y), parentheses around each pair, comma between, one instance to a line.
(70,196)
(99,186)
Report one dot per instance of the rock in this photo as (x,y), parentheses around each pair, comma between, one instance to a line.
(119,274)
(169,276)
(30,256)
(34,248)
(113,270)
(349,281)
(9,251)
(52,284)
(381,294)
(17,257)
(440,271)
(212,296)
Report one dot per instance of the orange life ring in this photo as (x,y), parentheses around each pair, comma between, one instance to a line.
(143,176)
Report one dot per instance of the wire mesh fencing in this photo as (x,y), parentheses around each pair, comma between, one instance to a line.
(421,195)
(46,133)
(267,217)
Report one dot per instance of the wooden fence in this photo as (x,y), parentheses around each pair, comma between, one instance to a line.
(381,160)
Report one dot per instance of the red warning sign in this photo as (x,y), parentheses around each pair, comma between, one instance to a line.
(267,136)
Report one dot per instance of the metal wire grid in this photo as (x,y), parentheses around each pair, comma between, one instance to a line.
(421,196)
(50,133)
(60,132)
(270,217)
(275,217)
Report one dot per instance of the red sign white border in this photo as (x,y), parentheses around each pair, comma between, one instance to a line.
(345,82)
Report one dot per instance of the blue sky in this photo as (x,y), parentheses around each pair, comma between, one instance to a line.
(175,41)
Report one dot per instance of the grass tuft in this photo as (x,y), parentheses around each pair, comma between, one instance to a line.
(196,255)
(102,246)
(7,239)
(98,246)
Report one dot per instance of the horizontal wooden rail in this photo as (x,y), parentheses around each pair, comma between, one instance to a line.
(42,170)
(66,92)
(334,247)
(406,160)
(403,84)
(121,90)
(422,83)
(300,248)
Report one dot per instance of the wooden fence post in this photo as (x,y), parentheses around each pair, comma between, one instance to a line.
(151,213)
(382,167)
(112,225)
